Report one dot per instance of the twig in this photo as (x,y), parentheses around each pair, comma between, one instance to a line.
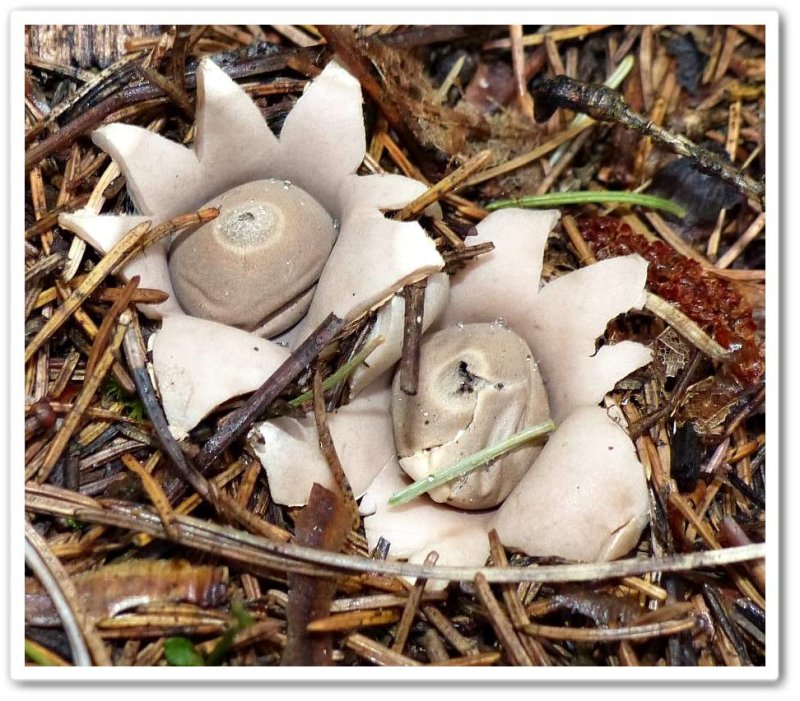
(606,105)
(685,327)
(449,632)
(135,354)
(578,32)
(447,184)
(642,632)
(339,622)
(526,158)
(376,653)
(742,242)
(109,319)
(241,419)
(410,609)
(524,99)
(516,611)
(414,297)
(342,373)
(329,451)
(645,422)
(156,494)
(502,626)
(169,88)
(712,599)
(207,536)
(206,489)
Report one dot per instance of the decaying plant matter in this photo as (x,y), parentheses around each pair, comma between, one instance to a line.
(147,550)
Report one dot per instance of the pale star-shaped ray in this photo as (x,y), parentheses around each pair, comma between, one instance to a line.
(585,497)
(289,448)
(323,138)
(200,364)
(570,314)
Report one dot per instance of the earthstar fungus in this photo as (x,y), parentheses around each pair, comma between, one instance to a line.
(316,270)
(585,496)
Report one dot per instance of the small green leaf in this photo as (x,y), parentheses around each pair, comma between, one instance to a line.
(180,652)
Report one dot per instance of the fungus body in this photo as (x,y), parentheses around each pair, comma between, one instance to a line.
(256,265)
(479,384)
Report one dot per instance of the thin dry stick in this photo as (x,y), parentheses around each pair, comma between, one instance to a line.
(441,92)
(479,659)
(58,584)
(585,255)
(742,242)
(603,635)
(563,162)
(449,632)
(413,315)
(516,611)
(685,327)
(329,450)
(376,653)
(241,420)
(434,646)
(529,157)
(109,320)
(452,238)
(156,494)
(64,375)
(712,249)
(83,400)
(675,240)
(353,619)
(120,253)
(524,99)
(502,626)
(170,88)
(445,185)
(410,610)
(207,536)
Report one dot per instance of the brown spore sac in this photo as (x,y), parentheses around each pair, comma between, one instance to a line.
(711,302)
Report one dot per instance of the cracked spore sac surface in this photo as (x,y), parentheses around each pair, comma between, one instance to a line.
(479,384)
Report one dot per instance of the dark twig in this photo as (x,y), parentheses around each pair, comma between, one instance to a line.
(227,506)
(606,105)
(410,609)
(329,450)
(715,604)
(414,296)
(135,354)
(241,419)
(506,634)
